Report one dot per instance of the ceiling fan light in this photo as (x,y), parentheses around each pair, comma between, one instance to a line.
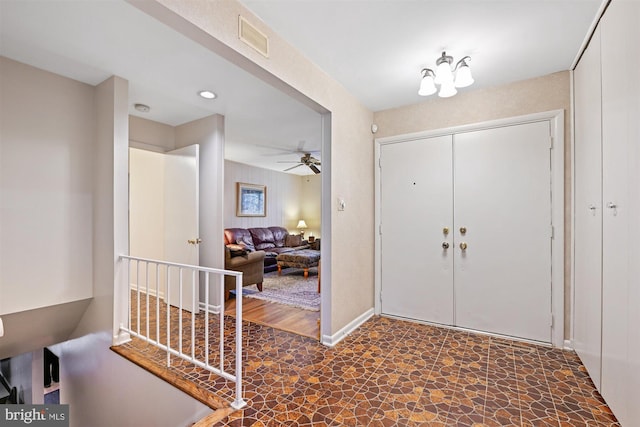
(427,86)
(443,73)
(463,76)
(447,90)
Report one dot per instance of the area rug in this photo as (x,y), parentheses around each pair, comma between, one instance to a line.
(291,288)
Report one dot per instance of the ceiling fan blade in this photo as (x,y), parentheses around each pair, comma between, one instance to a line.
(314,169)
(287,161)
(293,167)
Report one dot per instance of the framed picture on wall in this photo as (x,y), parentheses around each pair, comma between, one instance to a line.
(251,199)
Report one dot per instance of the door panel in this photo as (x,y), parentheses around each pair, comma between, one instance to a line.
(621,137)
(502,196)
(181,223)
(416,204)
(587,337)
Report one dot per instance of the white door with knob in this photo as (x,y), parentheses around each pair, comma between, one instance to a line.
(491,270)
(502,190)
(181,224)
(417,205)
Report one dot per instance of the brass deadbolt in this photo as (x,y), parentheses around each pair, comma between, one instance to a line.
(463,230)
(445,230)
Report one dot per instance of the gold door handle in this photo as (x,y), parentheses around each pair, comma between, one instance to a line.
(194,241)
(463,246)
(445,245)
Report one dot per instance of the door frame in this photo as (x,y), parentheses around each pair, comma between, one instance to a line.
(556,122)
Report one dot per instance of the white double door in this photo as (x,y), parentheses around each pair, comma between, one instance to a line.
(466,230)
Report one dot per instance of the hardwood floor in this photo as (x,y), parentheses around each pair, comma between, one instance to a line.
(278,316)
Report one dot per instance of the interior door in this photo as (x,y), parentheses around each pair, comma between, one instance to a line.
(502,190)
(587,336)
(181,224)
(416,206)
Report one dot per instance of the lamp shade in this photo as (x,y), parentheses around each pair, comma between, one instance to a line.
(447,90)
(427,86)
(443,73)
(463,76)
(302,224)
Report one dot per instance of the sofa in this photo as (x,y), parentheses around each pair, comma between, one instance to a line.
(270,240)
(251,264)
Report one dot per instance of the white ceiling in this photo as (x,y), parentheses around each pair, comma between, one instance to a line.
(375,48)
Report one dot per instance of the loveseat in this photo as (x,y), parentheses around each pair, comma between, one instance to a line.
(271,240)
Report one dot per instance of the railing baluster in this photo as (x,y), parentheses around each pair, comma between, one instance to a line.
(168,298)
(206,318)
(157,302)
(180,310)
(181,270)
(146,283)
(193,314)
(138,298)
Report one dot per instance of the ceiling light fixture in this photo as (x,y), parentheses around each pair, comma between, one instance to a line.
(447,78)
(207,94)
(142,108)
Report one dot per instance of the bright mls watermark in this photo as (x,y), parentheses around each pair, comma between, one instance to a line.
(34,415)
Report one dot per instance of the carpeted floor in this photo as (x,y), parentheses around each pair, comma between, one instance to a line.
(291,288)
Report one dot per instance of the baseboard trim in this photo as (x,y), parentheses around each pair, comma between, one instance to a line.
(214,309)
(151,292)
(332,340)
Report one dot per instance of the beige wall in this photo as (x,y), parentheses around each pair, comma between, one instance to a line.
(283,196)
(311,203)
(46,166)
(546,93)
(349,271)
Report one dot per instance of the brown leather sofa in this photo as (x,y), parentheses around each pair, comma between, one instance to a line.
(271,240)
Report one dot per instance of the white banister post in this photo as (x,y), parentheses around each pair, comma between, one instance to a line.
(239,402)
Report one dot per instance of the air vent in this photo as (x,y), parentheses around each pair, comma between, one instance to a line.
(253,37)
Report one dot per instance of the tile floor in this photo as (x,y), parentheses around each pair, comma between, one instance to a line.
(397,373)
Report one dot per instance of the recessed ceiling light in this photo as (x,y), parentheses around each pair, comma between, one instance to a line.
(207,94)
(143,108)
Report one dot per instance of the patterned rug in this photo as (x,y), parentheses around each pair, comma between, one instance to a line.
(290,289)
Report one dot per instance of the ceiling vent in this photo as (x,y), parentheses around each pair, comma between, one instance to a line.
(253,37)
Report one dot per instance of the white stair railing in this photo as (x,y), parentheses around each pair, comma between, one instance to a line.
(148,280)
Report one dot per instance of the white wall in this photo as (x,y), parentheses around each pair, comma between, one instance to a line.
(46,165)
(283,197)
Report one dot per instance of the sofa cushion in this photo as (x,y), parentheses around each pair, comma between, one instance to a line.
(262,238)
(293,240)
(279,236)
(239,236)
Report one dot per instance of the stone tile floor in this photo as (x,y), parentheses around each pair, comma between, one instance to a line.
(394,373)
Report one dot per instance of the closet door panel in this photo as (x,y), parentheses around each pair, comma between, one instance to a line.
(416,204)
(587,338)
(502,193)
(619,41)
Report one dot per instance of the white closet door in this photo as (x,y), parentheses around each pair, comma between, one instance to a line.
(620,161)
(416,204)
(587,338)
(503,199)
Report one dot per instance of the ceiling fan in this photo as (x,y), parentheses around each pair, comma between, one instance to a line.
(306,160)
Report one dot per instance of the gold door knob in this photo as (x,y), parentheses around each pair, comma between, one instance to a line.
(445,230)
(445,245)
(463,230)
(194,241)
(463,246)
